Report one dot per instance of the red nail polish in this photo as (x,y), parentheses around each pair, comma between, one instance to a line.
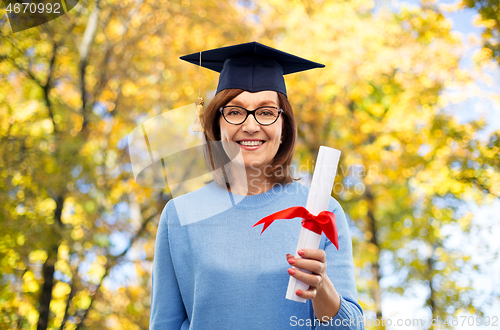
(301,252)
(298,293)
(291,261)
(291,271)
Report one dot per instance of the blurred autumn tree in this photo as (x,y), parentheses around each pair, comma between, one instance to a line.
(71,213)
(408,168)
(71,90)
(489,10)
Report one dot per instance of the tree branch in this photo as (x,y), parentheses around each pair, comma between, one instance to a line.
(46,87)
(112,261)
(85,46)
(104,78)
(26,71)
(478,184)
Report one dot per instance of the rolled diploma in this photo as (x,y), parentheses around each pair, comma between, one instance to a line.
(317,201)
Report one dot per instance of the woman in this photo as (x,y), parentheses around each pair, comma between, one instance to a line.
(217,272)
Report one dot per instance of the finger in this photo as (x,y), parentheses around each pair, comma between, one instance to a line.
(312,280)
(307,294)
(316,254)
(311,265)
(288,256)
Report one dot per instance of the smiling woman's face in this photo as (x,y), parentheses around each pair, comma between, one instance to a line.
(258,143)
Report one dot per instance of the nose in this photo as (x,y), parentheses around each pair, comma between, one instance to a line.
(250,125)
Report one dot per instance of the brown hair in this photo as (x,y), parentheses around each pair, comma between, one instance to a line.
(216,157)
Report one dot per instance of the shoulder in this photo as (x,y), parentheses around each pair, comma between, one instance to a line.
(197,196)
(334,206)
(186,198)
(340,217)
(344,235)
(197,205)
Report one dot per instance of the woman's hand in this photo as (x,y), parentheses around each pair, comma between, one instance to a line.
(313,261)
(324,297)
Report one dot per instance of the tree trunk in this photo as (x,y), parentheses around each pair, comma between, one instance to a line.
(431,300)
(48,285)
(48,271)
(375,266)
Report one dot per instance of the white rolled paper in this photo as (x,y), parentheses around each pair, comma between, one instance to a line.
(317,201)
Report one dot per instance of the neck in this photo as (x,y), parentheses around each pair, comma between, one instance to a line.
(248,181)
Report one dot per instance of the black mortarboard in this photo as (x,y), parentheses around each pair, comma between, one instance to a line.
(252,66)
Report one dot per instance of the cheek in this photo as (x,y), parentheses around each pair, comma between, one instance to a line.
(276,137)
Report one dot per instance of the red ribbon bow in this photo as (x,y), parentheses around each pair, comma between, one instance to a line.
(324,222)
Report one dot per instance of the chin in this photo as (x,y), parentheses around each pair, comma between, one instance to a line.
(255,164)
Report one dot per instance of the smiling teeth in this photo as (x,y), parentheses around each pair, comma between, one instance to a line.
(251,143)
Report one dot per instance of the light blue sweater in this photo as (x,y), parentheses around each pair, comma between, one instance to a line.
(220,273)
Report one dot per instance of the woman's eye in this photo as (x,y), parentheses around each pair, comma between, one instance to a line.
(267,112)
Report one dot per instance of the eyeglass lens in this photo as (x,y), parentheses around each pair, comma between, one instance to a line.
(263,115)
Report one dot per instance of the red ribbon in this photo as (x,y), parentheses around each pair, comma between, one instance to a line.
(324,222)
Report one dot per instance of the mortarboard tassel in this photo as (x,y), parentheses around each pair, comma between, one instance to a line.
(198,120)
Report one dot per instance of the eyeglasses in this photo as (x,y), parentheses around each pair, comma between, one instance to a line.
(237,115)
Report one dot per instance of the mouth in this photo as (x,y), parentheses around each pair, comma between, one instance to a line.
(250,143)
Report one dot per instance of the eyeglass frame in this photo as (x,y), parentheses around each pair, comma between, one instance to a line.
(250,112)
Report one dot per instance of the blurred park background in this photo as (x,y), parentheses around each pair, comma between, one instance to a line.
(410,95)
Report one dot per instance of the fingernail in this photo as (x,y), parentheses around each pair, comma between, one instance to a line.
(291,271)
(298,293)
(291,261)
(301,252)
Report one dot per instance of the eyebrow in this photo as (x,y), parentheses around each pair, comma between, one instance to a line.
(260,104)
